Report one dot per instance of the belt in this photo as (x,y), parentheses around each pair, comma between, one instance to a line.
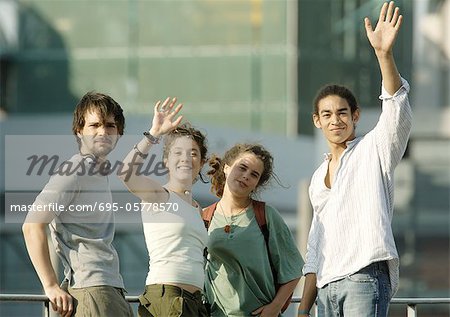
(162,289)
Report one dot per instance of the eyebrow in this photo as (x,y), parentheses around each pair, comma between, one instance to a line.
(253,171)
(339,110)
(106,124)
(180,148)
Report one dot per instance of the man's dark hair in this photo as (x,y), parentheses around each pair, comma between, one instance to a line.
(100,103)
(335,90)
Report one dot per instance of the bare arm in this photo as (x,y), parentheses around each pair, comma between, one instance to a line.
(382,39)
(274,308)
(35,235)
(143,186)
(309,295)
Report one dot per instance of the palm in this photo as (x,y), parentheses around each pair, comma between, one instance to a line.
(163,118)
(383,37)
(163,122)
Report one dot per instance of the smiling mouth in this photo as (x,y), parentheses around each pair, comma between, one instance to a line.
(185,168)
(242,184)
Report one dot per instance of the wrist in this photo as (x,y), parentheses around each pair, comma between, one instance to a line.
(154,133)
(49,287)
(151,138)
(380,54)
(303,312)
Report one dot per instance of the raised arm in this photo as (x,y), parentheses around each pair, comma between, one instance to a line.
(163,122)
(382,39)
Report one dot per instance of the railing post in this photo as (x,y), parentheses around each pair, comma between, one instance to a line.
(46,308)
(411,310)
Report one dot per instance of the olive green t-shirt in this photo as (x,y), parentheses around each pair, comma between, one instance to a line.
(238,274)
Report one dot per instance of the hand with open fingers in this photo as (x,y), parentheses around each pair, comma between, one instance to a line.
(382,38)
(269,310)
(163,117)
(61,301)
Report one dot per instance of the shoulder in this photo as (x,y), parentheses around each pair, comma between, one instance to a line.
(74,174)
(273,216)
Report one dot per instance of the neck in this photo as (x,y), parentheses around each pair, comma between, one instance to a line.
(232,204)
(98,159)
(179,188)
(336,150)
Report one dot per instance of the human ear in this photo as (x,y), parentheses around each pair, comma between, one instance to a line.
(355,116)
(316,121)
(226,169)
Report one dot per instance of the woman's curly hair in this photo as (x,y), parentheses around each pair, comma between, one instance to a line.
(217,164)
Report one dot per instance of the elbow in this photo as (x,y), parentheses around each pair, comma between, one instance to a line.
(122,178)
(26,229)
(29,228)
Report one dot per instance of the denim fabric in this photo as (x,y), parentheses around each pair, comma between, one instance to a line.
(362,294)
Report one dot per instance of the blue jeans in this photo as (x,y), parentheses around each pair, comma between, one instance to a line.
(364,293)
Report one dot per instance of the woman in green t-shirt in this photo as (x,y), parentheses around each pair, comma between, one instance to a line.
(239,279)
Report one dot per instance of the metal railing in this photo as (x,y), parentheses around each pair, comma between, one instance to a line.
(411,303)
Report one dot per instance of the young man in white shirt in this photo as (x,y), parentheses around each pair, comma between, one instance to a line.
(352,262)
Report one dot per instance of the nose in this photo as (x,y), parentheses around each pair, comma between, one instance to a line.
(186,157)
(335,119)
(101,130)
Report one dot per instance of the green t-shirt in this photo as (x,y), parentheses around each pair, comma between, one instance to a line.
(238,274)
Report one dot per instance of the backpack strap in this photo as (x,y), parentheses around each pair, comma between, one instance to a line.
(208,213)
(259,207)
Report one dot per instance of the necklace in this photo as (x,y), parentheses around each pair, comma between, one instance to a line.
(184,192)
(228,225)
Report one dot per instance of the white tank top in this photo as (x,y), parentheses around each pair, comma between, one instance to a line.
(175,238)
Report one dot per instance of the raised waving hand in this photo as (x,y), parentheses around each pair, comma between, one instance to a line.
(163,117)
(383,37)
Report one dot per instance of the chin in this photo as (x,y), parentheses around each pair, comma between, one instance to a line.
(103,152)
(186,179)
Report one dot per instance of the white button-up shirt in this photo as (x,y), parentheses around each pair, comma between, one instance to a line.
(351,226)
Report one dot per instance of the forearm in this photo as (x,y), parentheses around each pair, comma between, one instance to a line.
(134,160)
(133,177)
(284,292)
(389,73)
(309,293)
(35,236)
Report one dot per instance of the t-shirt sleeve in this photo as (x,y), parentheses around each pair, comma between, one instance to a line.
(60,189)
(283,251)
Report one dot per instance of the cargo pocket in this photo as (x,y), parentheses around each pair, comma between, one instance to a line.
(145,306)
(176,307)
